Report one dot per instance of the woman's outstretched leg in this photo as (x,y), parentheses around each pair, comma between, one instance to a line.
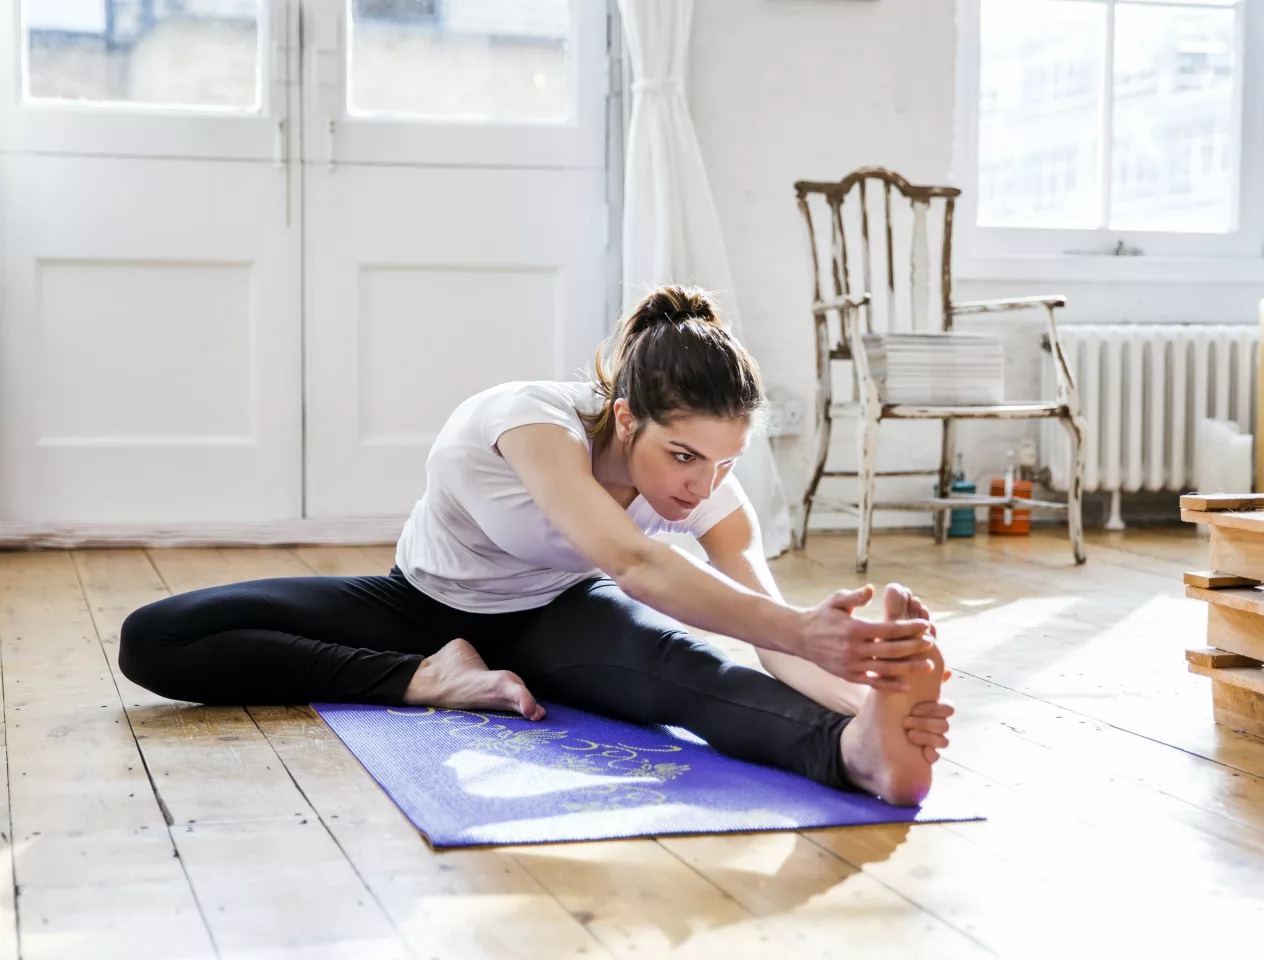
(596,648)
(296,639)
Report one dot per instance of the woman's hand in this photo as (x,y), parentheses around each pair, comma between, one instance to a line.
(927,726)
(879,653)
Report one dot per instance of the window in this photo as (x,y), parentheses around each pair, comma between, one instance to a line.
(190,54)
(1109,126)
(482,60)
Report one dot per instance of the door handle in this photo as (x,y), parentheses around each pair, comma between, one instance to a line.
(281,152)
(327,73)
(282,49)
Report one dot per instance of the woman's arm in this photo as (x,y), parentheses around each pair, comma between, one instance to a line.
(735,548)
(555,467)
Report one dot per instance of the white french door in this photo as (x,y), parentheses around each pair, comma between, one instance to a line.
(150,334)
(254,252)
(455,227)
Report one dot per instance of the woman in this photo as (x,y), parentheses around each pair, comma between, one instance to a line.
(527,569)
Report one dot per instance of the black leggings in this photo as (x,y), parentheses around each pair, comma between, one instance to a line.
(360,639)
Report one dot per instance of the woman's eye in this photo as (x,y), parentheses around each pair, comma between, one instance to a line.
(683,457)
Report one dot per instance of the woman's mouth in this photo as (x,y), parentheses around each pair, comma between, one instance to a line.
(686,504)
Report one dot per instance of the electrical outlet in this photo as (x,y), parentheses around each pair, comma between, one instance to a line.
(788,413)
(793,420)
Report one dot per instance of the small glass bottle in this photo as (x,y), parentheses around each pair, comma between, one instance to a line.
(961,522)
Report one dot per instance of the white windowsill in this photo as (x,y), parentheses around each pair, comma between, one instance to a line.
(1140,269)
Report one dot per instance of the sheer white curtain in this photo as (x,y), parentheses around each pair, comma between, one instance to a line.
(671,231)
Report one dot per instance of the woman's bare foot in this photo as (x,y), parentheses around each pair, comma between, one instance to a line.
(457,677)
(877,752)
(927,722)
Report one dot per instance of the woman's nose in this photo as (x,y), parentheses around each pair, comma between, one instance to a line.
(704,485)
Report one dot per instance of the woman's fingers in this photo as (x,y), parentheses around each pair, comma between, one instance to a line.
(851,599)
(896,631)
(924,738)
(931,708)
(888,675)
(896,668)
(929,730)
(931,754)
(896,649)
(931,724)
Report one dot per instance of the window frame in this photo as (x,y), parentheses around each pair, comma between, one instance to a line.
(1057,253)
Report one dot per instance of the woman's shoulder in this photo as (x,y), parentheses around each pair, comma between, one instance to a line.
(561,395)
(483,417)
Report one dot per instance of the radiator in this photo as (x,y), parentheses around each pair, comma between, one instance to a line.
(1143,390)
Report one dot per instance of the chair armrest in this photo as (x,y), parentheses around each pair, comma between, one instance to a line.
(840,303)
(1013,303)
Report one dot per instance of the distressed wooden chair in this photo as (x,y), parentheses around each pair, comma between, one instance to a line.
(844,212)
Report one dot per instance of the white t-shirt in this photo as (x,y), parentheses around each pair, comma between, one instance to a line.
(477,541)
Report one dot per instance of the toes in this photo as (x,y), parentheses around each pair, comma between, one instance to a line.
(896,602)
(514,693)
(508,686)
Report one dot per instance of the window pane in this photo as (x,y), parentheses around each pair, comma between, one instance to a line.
(1040,100)
(1174,149)
(170,53)
(470,59)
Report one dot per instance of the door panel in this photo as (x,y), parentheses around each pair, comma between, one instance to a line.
(425,286)
(149,358)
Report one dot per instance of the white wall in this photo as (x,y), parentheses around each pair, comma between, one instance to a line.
(782,90)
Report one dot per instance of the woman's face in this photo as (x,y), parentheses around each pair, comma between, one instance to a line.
(677,466)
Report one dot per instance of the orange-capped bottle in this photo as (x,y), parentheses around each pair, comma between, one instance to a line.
(1009,520)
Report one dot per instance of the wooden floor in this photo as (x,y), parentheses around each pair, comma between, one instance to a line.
(1123,822)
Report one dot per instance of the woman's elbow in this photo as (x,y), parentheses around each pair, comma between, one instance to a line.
(636,569)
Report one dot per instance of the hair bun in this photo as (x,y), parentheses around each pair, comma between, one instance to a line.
(695,368)
(675,304)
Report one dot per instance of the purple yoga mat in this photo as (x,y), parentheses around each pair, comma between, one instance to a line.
(472,779)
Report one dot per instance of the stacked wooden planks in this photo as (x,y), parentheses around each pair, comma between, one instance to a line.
(1234,655)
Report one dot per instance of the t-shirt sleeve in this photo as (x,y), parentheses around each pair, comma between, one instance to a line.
(530,403)
(728,497)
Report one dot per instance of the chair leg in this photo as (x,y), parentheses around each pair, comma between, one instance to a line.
(822,454)
(867,471)
(801,531)
(948,451)
(1076,428)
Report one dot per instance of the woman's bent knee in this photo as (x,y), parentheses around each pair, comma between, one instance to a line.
(141,639)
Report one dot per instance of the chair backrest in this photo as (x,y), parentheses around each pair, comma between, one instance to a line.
(845,218)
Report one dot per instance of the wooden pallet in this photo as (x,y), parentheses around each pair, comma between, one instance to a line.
(1234,656)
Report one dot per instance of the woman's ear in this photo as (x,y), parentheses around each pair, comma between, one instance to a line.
(624,422)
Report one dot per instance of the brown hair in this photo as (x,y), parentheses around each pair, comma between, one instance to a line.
(673,356)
